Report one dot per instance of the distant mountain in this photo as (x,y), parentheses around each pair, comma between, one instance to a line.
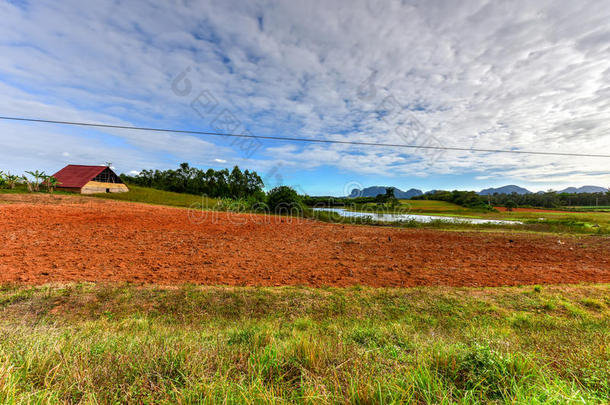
(505,190)
(374,191)
(584,189)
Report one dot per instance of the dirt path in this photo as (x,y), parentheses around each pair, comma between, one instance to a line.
(82,239)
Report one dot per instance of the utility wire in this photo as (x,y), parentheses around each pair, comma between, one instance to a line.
(294,139)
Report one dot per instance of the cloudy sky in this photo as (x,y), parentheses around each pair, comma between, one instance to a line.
(478,74)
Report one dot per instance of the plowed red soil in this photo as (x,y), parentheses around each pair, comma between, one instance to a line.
(82,239)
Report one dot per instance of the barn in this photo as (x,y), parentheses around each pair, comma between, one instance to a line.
(89,180)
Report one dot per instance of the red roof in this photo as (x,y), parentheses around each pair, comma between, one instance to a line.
(77,175)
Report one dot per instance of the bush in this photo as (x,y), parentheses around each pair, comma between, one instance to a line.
(284,200)
(510,205)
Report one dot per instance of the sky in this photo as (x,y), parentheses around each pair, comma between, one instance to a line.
(519,75)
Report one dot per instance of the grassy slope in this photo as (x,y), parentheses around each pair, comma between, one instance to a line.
(431,206)
(159,197)
(96,343)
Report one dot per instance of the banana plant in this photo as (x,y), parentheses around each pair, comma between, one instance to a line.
(37,176)
(2,178)
(51,183)
(28,183)
(11,180)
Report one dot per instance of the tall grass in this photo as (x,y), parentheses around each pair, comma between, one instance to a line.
(86,343)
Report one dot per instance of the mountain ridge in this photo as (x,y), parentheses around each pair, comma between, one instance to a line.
(373,191)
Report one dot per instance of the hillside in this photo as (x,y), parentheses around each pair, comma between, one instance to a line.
(505,190)
(584,189)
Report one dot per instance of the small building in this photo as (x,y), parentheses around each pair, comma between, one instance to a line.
(89,180)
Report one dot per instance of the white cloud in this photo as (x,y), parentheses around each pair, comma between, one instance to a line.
(492,75)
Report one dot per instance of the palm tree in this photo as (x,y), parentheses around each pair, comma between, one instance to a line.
(37,176)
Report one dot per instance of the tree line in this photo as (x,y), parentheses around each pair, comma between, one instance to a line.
(213,183)
(468,199)
(551,199)
(36,181)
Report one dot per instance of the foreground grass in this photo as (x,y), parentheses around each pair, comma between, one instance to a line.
(88,343)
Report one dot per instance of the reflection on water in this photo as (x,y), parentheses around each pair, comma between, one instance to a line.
(383,217)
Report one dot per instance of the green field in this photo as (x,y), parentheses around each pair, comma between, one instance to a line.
(431,206)
(555,222)
(159,197)
(93,343)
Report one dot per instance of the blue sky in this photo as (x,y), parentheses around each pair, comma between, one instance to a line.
(501,75)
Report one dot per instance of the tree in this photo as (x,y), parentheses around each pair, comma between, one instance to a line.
(11,180)
(510,205)
(390,197)
(28,183)
(51,183)
(37,177)
(284,199)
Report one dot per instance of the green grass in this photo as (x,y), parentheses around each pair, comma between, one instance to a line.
(159,197)
(22,189)
(596,223)
(431,206)
(88,343)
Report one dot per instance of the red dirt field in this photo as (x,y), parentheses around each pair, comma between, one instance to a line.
(62,239)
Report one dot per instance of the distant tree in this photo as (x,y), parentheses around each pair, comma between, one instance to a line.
(11,180)
(28,183)
(51,183)
(284,199)
(390,198)
(37,177)
(510,205)
(213,183)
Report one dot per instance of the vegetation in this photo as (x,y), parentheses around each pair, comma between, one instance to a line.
(159,197)
(212,183)
(468,199)
(552,199)
(92,343)
(431,206)
(285,200)
(38,179)
(510,205)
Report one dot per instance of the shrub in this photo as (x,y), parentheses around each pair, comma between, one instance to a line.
(510,205)
(284,200)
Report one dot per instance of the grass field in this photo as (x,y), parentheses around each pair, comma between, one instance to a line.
(91,343)
(159,197)
(431,206)
(553,222)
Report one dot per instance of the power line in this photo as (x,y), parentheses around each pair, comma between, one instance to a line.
(294,139)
